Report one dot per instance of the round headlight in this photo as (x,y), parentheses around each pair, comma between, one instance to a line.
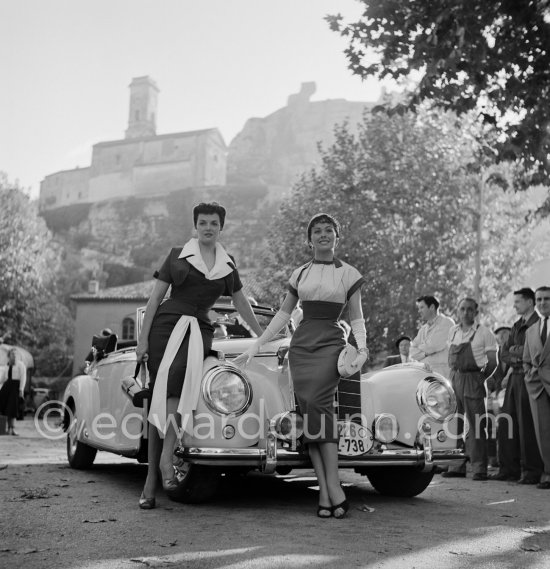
(436,398)
(226,390)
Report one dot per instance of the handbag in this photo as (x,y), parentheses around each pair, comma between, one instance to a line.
(139,394)
(345,359)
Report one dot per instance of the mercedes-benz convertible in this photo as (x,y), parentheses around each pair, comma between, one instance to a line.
(395,425)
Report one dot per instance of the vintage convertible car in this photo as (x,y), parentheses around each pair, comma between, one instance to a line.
(395,425)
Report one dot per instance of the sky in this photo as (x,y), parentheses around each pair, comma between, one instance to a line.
(66,66)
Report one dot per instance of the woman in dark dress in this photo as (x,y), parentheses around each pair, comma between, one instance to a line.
(13,390)
(324,286)
(177,335)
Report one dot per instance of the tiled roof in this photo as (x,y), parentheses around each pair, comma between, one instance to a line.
(134,291)
(142,291)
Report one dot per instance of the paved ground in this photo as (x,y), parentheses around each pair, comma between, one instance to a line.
(54,517)
(31,447)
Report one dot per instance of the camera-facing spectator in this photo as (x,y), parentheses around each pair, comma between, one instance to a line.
(403,345)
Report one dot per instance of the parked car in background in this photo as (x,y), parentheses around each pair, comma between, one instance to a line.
(36,398)
(396,425)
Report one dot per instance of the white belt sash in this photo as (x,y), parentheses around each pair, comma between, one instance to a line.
(193,376)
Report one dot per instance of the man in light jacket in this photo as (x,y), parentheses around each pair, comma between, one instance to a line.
(430,344)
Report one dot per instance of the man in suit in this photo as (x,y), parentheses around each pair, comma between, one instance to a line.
(403,345)
(536,363)
(518,452)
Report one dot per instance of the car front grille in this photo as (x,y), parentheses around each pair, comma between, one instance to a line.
(348,398)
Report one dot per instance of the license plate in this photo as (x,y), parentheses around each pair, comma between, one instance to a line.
(354,439)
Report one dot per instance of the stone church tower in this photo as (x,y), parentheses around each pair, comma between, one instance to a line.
(143,108)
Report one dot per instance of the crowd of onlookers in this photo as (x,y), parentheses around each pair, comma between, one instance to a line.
(501,380)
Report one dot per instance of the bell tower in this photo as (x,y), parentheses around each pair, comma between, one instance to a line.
(142,120)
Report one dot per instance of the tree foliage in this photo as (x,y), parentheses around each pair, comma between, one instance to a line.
(489,55)
(30,314)
(405,192)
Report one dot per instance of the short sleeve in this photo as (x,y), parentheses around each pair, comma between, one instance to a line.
(164,273)
(354,281)
(236,284)
(293,282)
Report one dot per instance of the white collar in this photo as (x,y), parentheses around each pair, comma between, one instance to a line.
(223,266)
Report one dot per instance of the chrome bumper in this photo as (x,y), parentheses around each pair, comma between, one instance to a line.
(268,457)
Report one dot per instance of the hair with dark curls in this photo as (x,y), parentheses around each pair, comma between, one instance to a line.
(526,293)
(429,300)
(323,218)
(209,209)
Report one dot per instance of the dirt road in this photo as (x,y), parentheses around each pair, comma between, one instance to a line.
(55,517)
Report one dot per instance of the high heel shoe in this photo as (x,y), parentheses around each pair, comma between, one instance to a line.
(324,512)
(146,503)
(344,506)
(170,483)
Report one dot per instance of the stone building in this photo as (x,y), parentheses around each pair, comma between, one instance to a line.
(143,163)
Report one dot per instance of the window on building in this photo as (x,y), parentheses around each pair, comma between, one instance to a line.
(137,115)
(128,329)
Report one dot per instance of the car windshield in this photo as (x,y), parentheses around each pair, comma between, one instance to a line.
(228,323)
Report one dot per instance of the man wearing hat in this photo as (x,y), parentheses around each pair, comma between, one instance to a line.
(403,344)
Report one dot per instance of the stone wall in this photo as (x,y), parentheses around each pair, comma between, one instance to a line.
(63,188)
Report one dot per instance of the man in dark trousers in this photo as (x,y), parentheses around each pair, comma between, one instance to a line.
(518,454)
(536,364)
(472,359)
(495,384)
(403,345)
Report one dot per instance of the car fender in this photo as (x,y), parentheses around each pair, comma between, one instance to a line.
(379,392)
(81,399)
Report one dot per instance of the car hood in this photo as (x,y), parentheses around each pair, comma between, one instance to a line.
(237,346)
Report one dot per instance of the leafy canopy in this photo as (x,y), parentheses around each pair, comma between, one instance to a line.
(30,314)
(489,55)
(407,197)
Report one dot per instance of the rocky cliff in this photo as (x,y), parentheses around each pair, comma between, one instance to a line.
(278,148)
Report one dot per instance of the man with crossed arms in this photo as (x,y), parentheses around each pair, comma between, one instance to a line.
(430,344)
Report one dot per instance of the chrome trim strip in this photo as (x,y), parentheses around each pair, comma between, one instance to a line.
(257,457)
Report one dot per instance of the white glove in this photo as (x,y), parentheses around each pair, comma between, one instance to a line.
(360,335)
(361,358)
(279,320)
(244,359)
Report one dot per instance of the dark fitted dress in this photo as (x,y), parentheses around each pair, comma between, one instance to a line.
(9,396)
(324,289)
(192,294)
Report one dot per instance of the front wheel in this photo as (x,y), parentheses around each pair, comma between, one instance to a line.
(399,481)
(80,455)
(196,483)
